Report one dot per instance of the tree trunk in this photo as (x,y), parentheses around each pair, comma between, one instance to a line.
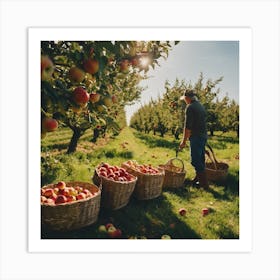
(74,140)
(211,132)
(95,135)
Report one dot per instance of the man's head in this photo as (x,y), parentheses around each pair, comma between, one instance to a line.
(189,96)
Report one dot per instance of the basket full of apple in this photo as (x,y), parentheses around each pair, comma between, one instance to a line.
(117,185)
(149,179)
(69,205)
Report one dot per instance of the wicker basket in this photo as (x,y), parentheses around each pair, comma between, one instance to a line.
(115,195)
(72,215)
(148,186)
(174,176)
(216,171)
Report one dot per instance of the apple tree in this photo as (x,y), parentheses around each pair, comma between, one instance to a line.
(86,84)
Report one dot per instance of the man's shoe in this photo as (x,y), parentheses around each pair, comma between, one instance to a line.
(203,182)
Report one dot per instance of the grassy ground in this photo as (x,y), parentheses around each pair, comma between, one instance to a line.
(153,218)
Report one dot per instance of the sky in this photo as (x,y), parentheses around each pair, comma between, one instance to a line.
(186,61)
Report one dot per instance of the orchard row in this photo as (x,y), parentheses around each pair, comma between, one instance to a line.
(167,113)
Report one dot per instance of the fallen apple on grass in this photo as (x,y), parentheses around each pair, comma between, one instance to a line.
(165,236)
(205,211)
(102,229)
(182,211)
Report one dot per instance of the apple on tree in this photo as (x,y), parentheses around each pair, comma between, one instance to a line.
(76,75)
(47,68)
(49,124)
(80,96)
(94,97)
(91,65)
(108,101)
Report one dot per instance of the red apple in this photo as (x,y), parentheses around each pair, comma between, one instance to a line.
(49,193)
(49,124)
(76,75)
(113,232)
(91,66)
(182,211)
(87,192)
(47,68)
(61,199)
(114,99)
(80,96)
(81,196)
(106,165)
(94,97)
(61,185)
(103,173)
(54,196)
(50,201)
(71,198)
(65,192)
(205,211)
(109,225)
(118,233)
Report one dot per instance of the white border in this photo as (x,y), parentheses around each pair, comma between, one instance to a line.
(243,35)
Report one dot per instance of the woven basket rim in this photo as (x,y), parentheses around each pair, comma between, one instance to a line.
(224,166)
(162,171)
(113,181)
(72,202)
(165,169)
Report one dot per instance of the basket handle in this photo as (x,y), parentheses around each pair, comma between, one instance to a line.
(214,157)
(211,158)
(170,162)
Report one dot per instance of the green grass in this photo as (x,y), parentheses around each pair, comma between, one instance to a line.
(153,218)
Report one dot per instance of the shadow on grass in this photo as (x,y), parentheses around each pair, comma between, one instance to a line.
(114,153)
(142,219)
(227,139)
(50,147)
(227,189)
(152,141)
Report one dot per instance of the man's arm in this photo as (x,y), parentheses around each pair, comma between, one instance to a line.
(187,127)
(186,136)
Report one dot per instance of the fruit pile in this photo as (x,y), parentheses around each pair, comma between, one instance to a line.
(109,230)
(114,173)
(63,194)
(143,168)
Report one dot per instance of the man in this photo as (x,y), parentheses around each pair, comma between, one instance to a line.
(195,131)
